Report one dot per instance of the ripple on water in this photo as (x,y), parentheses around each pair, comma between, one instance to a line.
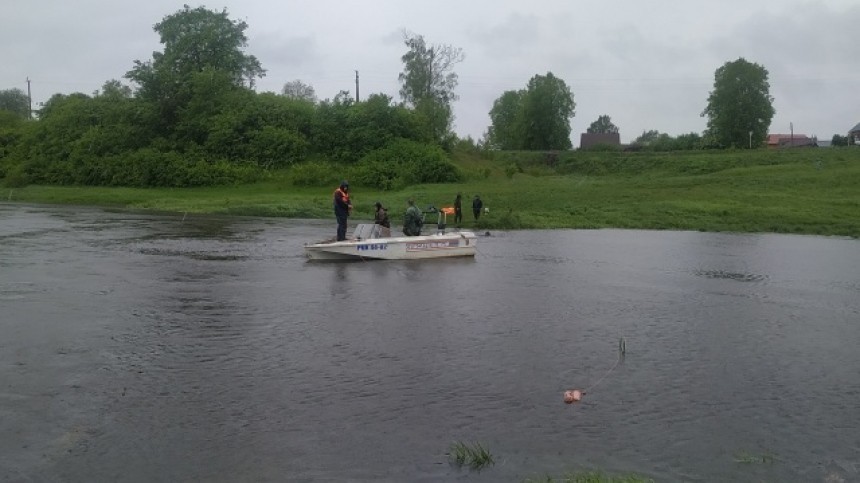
(195,255)
(17,290)
(736,276)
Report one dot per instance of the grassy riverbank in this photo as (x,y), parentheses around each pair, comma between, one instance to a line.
(808,191)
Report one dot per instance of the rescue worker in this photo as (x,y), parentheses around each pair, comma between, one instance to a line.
(477,204)
(382,220)
(413,220)
(342,209)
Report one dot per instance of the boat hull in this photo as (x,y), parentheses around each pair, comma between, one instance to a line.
(455,244)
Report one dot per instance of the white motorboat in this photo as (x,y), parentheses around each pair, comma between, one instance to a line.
(367,243)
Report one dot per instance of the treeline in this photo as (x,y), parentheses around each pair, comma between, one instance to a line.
(195,119)
(115,139)
(661,142)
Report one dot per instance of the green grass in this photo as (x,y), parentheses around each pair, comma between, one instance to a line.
(803,191)
(749,458)
(473,455)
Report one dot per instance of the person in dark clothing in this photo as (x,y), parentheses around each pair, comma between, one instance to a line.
(382,220)
(458,209)
(477,204)
(413,220)
(342,209)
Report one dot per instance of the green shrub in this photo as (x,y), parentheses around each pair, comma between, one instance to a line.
(603,147)
(272,147)
(15,177)
(404,163)
(512,169)
(144,168)
(315,173)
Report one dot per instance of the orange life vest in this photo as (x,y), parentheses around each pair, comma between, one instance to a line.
(343,195)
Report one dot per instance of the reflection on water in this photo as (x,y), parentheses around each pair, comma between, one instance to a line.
(151,348)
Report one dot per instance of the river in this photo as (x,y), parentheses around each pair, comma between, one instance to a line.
(146,347)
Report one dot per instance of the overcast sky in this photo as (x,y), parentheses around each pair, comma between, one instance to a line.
(646,64)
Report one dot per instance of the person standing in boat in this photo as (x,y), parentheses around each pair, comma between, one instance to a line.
(458,209)
(382,220)
(342,209)
(412,221)
(477,204)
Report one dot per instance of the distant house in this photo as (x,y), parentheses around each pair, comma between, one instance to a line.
(590,139)
(790,140)
(855,132)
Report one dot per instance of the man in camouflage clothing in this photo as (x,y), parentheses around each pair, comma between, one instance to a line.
(413,220)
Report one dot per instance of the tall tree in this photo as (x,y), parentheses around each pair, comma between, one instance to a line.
(428,81)
(297,89)
(547,109)
(506,117)
(603,125)
(195,41)
(16,101)
(740,108)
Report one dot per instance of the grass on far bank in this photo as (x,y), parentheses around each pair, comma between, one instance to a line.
(804,191)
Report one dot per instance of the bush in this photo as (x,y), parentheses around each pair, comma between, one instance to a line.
(144,168)
(512,169)
(315,173)
(16,178)
(147,167)
(603,147)
(272,147)
(404,163)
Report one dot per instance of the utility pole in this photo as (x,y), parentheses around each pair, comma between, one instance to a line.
(791,127)
(29,101)
(356,87)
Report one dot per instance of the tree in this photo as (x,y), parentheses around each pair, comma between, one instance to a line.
(345,130)
(688,141)
(195,41)
(16,101)
(506,116)
(647,137)
(428,81)
(299,90)
(114,89)
(537,117)
(603,125)
(548,107)
(740,108)
(839,140)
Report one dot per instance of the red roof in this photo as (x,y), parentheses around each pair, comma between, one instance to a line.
(789,140)
(772,138)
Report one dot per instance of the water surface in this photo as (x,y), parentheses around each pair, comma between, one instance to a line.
(140,347)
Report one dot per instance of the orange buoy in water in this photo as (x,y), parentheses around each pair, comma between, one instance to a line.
(573,396)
